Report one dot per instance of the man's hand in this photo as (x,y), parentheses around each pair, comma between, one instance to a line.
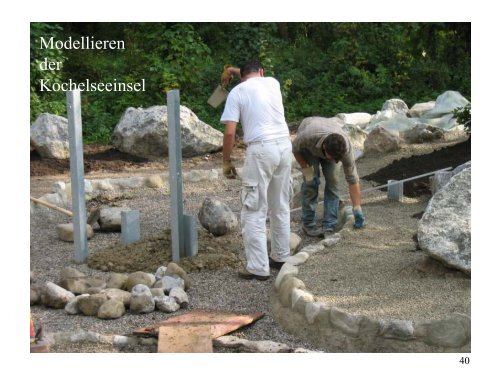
(226,76)
(359,218)
(229,171)
(308,173)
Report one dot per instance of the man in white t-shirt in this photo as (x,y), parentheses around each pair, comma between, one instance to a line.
(256,102)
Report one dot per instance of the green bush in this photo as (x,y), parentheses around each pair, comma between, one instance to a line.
(463,116)
(323,68)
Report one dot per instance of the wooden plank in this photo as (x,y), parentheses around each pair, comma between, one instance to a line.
(185,338)
(220,322)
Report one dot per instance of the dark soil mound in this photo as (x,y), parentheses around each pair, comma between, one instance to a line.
(96,158)
(451,156)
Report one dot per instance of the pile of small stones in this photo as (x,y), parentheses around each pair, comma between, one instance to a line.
(140,292)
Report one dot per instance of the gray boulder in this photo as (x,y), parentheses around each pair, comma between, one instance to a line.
(144,133)
(166,304)
(173,269)
(49,136)
(141,300)
(445,104)
(382,140)
(168,282)
(110,218)
(89,305)
(55,296)
(419,109)
(355,119)
(421,133)
(72,307)
(217,217)
(111,309)
(117,294)
(117,281)
(444,231)
(139,278)
(81,285)
(65,232)
(396,105)
(180,296)
(69,272)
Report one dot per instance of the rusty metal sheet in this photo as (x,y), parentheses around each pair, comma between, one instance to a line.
(220,322)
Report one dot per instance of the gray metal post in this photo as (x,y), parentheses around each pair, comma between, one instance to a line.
(77,175)
(190,236)
(175,174)
(131,229)
(395,190)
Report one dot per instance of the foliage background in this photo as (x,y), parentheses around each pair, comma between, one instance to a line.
(324,68)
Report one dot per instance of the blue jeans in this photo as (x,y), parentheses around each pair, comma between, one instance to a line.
(309,193)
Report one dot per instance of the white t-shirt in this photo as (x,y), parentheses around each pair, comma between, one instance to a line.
(257,104)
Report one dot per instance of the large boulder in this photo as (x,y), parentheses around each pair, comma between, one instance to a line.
(81,285)
(419,109)
(382,140)
(110,218)
(445,104)
(355,119)
(396,105)
(49,136)
(55,296)
(427,122)
(141,300)
(421,133)
(111,309)
(144,133)
(139,278)
(217,217)
(65,231)
(444,231)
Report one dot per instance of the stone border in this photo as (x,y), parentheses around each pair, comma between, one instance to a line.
(298,311)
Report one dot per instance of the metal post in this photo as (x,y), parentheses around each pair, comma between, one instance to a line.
(175,174)
(131,229)
(77,175)
(394,190)
(190,236)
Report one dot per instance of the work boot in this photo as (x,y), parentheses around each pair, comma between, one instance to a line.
(313,231)
(245,274)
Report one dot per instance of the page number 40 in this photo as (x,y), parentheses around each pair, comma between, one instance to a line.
(464,360)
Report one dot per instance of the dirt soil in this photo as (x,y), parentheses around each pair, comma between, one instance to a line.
(96,158)
(403,168)
(213,252)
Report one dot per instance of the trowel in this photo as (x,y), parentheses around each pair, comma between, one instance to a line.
(218,96)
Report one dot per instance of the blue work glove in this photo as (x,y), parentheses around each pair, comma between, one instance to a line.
(359,218)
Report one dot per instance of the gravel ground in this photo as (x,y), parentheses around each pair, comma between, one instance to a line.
(371,271)
(220,289)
